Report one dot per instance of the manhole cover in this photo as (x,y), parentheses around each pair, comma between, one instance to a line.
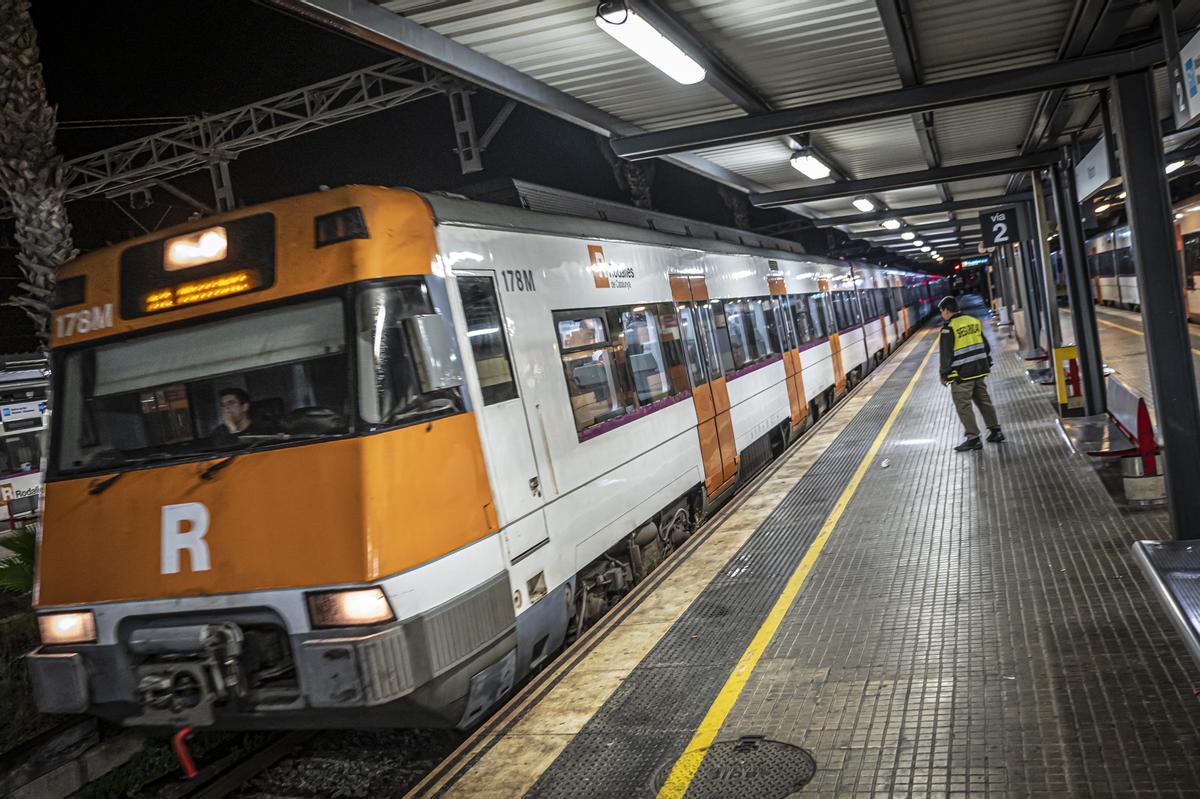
(752,766)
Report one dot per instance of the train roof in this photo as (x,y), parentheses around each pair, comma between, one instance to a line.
(539,209)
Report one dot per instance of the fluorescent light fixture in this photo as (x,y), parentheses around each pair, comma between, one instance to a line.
(1191,209)
(1121,196)
(810,166)
(1099,209)
(1178,217)
(926,248)
(890,224)
(1175,166)
(627,27)
(933,254)
(918,243)
(908,235)
(864,204)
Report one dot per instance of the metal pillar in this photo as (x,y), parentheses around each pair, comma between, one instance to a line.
(1003,256)
(1053,322)
(1030,284)
(1164,307)
(1079,287)
(462,116)
(222,184)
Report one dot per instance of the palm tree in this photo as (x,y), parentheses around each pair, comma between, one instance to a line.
(31,171)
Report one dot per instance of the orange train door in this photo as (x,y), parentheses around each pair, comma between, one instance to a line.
(791,355)
(709,394)
(835,342)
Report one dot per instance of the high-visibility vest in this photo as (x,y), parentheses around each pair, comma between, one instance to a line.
(970,360)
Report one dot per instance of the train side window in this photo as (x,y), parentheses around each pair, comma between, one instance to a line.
(802,318)
(816,307)
(770,337)
(682,343)
(644,354)
(697,346)
(839,310)
(713,324)
(589,364)
(485,331)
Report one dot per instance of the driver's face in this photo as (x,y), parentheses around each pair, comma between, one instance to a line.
(233,410)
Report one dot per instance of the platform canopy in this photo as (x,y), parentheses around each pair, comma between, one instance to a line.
(766,55)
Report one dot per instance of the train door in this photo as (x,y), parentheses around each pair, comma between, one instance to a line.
(517,483)
(710,395)
(794,374)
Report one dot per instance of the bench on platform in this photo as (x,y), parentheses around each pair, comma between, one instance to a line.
(1132,417)
(1141,459)
(1173,568)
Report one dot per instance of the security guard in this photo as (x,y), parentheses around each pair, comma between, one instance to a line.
(966,362)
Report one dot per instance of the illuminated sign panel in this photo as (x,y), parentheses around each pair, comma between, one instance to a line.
(213,288)
(969,262)
(205,265)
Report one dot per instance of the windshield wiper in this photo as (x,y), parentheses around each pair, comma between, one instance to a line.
(100,486)
(271,438)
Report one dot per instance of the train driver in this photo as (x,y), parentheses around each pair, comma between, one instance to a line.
(235,416)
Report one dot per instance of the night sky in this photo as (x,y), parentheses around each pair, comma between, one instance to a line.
(173,58)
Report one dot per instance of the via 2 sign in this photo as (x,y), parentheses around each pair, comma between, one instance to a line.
(999,227)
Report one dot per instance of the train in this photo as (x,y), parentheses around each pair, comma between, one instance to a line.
(370,456)
(1111,267)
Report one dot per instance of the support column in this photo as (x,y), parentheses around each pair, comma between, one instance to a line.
(1030,283)
(222,184)
(1003,258)
(1079,287)
(1053,322)
(1164,303)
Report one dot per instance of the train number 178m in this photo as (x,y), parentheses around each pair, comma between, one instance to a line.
(518,280)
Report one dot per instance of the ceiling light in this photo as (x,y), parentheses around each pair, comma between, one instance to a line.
(864,204)
(917,243)
(810,166)
(933,254)
(891,224)
(908,235)
(1121,196)
(1191,209)
(1099,209)
(1175,166)
(926,248)
(624,24)
(1178,217)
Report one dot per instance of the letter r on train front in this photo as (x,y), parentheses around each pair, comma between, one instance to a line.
(184,527)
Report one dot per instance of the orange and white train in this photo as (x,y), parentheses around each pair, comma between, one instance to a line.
(369,456)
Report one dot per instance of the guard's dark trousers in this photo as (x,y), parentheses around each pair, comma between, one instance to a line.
(975,391)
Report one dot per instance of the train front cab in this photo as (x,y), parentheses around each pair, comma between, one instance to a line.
(334,555)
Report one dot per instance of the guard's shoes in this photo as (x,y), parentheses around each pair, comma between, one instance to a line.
(969,444)
(996,436)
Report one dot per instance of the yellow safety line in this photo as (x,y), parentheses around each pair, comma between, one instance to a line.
(689,762)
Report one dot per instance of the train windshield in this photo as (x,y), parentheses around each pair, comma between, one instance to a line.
(220,386)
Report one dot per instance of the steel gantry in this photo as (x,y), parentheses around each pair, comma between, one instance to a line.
(219,138)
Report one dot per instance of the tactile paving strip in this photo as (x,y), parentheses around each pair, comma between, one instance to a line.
(650,718)
(976,627)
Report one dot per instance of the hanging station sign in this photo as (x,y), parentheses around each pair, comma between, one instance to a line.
(999,227)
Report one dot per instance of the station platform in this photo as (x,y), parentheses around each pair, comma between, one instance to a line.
(877,616)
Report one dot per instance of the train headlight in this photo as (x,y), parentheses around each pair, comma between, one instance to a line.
(349,608)
(67,628)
